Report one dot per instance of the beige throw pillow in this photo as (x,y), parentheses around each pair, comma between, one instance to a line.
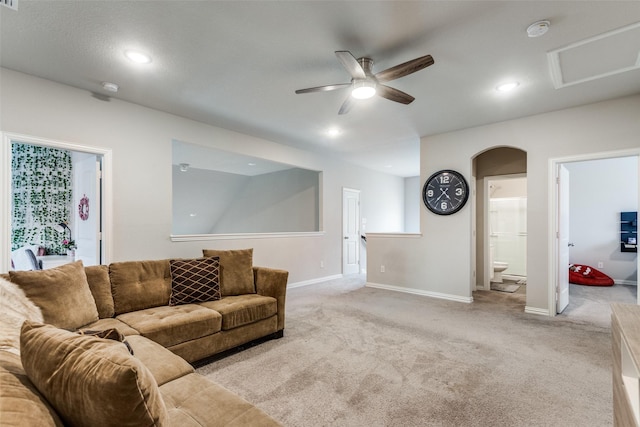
(15,308)
(90,381)
(62,293)
(236,270)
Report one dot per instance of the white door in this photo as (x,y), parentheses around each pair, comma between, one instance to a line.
(87,209)
(563,240)
(350,231)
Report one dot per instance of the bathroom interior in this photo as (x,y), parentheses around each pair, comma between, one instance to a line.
(507,233)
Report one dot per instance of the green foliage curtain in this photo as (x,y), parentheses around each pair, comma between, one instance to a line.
(41,188)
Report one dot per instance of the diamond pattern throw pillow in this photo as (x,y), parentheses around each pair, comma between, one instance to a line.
(194,280)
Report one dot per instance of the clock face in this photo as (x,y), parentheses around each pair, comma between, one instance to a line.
(445,192)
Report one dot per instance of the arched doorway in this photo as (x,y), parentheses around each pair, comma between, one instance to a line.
(505,165)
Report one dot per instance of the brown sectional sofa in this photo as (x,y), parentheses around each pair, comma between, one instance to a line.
(133,297)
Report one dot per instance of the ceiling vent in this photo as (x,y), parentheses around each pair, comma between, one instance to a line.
(600,56)
(11,4)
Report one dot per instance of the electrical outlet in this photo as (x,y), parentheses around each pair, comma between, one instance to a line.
(382,269)
(321,264)
(600,264)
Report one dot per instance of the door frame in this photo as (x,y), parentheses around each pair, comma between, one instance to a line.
(553,214)
(5,185)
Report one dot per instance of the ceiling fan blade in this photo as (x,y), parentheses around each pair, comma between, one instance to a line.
(346,105)
(326,88)
(404,69)
(351,64)
(394,94)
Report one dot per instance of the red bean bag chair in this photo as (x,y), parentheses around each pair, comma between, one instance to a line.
(586,275)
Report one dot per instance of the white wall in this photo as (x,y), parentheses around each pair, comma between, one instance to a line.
(412,202)
(599,191)
(140,139)
(439,261)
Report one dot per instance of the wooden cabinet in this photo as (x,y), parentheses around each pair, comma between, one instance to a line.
(625,334)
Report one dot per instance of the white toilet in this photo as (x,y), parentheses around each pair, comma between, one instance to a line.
(498,268)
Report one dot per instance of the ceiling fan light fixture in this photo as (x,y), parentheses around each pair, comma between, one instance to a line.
(363,89)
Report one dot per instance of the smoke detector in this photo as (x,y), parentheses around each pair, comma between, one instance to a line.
(110,87)
(538,29)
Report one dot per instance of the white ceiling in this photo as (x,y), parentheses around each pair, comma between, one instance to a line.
(236,64)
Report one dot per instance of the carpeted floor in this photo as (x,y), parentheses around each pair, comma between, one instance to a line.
(357,356)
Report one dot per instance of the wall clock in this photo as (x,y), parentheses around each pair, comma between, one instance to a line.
(445,192)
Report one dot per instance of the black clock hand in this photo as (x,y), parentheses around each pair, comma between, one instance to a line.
(443,192)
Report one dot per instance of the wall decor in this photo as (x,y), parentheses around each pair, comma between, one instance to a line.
(83,208)
(41,192)
(445,192)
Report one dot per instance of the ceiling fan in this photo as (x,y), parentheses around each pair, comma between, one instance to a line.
(364,84)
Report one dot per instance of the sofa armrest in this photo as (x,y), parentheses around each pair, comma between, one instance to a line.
(272,282)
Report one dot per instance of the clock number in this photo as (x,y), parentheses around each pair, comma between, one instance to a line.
(458,191)
(429,193)
(444,206)
(444,179)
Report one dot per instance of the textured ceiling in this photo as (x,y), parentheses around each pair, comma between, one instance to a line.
(237,64)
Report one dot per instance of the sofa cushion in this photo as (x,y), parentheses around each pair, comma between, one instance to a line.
(162,363)
(243,309)
(62,293)
(21,404)
(89,380)
(194,280)
(193,400)
(100,286)
(236,270)
(15,308)
(173,325)
(137,285)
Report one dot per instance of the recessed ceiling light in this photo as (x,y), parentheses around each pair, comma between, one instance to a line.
(251,164)
(110,87)
(333,132)
(137,56)
(184,167)
(538,29)
(506,87)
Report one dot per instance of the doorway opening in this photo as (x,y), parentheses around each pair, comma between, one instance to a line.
(499,236)
(588,195)
(57,194)
(506,233)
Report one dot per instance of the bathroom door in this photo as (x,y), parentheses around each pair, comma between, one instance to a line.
(562,284)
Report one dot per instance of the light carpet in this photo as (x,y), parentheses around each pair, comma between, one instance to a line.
(357,356)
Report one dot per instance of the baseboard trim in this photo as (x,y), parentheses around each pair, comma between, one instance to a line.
(420,292)
(536,310)
(626,282)
(313,281)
